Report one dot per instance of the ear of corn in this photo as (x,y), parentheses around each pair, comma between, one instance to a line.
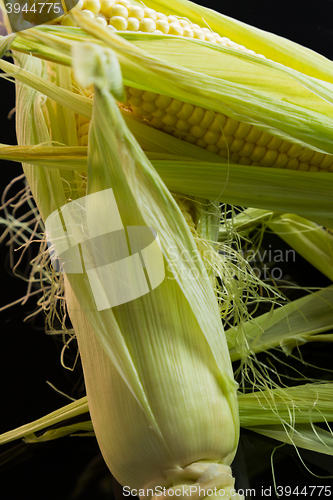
(154,376)
(148,423)
(240,100)
(262,194)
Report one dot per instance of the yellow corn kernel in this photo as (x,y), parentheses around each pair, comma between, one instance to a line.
(211,137)
(176,29)
(119,10)
(253,135)
(147,25)
(172,19)
(162,25)
(182,125)
(159,113)
(150,14)
(237,145)
(317,158)
(178,133)
(292,164)
(88,14)
(136,12)
(138,111)
(188,32)
(83,130)
(170,119)
(326,162)
(81,120)
(264,139)
(242,130)
(274,143)
(235,157)
(174,107)
(210,38)
(197,33)
(125,3)
(102,21)
(201,143)
(244,161)
(212,148)
(149,96)
(284,146)
(120,23)
(185,111)
(196,116)
(197,131)
(133,24)
(67,20)
(207,119)
(161,16)
(163,101)
(190,138)
(295,150)
(106,6)
(218,123)
(305,155)
(230,126)
(224,141)
(83,141)
(258,153)
(136,92)
(246,150)
(149,107)
(281,160)
(93,5)
(168,129)
(157,122)
(269,158)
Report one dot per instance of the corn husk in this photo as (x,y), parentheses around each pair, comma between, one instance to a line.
(150,389)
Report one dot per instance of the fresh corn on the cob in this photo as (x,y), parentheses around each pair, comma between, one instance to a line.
(238,142)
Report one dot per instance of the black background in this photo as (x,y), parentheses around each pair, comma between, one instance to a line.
(29,358)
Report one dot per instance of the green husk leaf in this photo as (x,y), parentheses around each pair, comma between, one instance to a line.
(311,241)
(301,404)
(274,47)
(69,411)
(307,436)
(295,323)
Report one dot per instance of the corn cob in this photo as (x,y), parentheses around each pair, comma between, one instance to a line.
(238,142)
